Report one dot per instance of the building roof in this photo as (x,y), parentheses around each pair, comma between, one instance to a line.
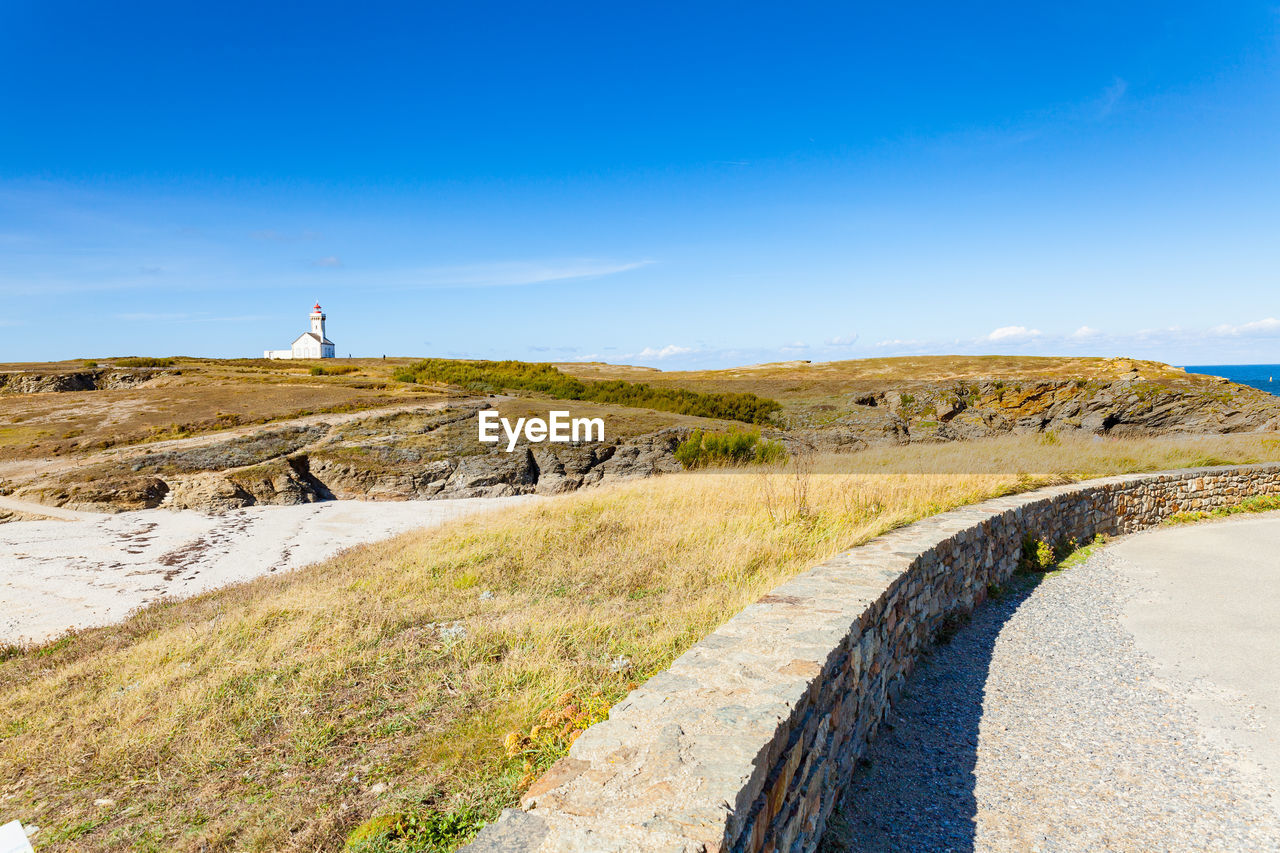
(314,336)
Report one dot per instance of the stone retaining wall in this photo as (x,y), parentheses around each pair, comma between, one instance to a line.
(746,742)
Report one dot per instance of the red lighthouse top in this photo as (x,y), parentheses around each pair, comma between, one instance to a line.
(316,310)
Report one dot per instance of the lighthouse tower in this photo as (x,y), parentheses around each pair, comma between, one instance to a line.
(312,344)
(317,321)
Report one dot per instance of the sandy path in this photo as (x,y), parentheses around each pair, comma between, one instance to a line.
(96,568)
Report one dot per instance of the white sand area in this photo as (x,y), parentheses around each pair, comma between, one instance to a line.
(94,570)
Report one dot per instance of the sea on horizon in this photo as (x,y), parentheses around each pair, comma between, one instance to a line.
(1265,377)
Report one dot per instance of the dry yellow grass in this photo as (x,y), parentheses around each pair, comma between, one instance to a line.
(261,717)
(199,396)
(788,379)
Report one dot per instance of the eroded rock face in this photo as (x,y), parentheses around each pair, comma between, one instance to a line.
(324,470)
(962,411)
(540,469)
(117,494)
(208,492)
(21,382)
(41,383)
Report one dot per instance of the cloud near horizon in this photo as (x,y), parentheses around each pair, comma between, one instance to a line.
(1013,333)
(1257,327)
(1175,345)
(669,351)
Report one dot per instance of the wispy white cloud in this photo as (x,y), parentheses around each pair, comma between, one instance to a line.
(660,353)
(841,341)
(1013,333)
(1111,97)
(514,273)
(1084,332)
(150,317)
(1268,326)
(331,261)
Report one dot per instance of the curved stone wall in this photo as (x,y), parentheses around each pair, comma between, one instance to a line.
(746,741)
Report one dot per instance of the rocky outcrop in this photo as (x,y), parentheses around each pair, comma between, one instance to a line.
(240,452)
(31,382)
(41,383)
(207,492)
(962,411)
(281,482)
(541,469)
(113,494)
(290,466)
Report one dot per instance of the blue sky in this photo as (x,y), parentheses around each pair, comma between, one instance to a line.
(681,185)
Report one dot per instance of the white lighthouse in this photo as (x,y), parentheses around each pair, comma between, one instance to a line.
(312,344)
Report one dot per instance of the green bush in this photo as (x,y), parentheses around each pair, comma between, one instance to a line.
(487,377)
(335,370)
(1037,555)
(415,832)
(704,449)
(143,362)
(91,363)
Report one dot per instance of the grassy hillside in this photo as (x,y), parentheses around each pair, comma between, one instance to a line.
(822,393)
(413,687)
(195,396)
(189,397)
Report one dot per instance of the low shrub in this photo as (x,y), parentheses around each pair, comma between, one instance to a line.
(488,377)
(137,361)
(415,832)
(335,370)
(705,449)
(1040,555)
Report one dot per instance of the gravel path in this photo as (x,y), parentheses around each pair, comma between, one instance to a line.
(1043,727)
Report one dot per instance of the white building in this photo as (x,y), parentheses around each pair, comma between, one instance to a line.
(312,344)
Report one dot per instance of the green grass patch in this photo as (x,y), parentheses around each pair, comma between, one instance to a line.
(1258,503)
(488,377)
(708,449)
(1040,555)
(415,832)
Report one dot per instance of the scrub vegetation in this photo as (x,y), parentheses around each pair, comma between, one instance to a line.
(705,449)
(135,361)
(395,697)
(489,377)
